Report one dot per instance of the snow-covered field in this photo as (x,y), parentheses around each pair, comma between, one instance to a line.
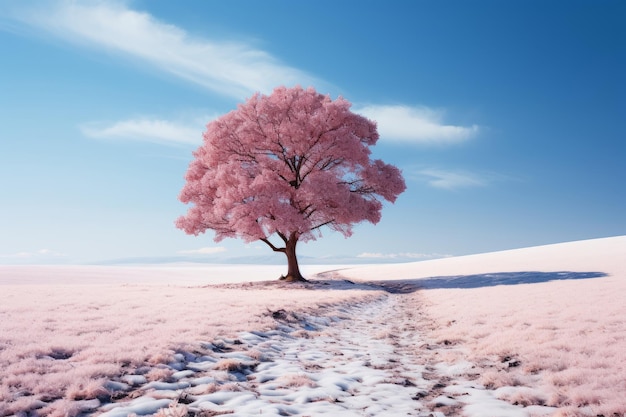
(537,331)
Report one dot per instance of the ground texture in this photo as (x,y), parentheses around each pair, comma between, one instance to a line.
(365,359)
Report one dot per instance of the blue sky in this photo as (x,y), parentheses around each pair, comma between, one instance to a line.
(507,118)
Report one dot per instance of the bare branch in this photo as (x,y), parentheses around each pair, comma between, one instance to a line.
(283,237)
(323,224)
(271,245)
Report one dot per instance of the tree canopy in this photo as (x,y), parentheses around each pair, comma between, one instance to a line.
(287,165)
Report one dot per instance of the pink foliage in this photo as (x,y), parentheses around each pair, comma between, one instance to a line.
(287,164)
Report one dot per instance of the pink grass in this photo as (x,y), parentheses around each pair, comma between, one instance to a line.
(60,341)
(568,336)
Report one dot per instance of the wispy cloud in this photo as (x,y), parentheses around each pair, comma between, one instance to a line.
(203,251)
(147,129)
(449,180)
(402,255)
(38,253)
(454,179)
(418,125)
(34,257)
(233,69)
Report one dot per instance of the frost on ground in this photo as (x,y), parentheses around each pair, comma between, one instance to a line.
(552,318)
(366,359)
(363,358)
(62,341)
(496,340)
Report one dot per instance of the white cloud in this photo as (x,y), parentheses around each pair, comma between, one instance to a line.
(234,69)
(420,125)
(406,255)
(37,255)
(203,251)
(454,179)
(229,68)
(146,129)
(18,255)
(449,180)
(254,246)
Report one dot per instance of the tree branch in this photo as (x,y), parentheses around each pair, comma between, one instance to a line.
(323,224)
(271,245)
(283,237)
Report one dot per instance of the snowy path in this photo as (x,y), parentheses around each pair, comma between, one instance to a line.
(364,360)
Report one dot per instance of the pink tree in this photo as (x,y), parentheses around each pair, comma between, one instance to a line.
(287,165)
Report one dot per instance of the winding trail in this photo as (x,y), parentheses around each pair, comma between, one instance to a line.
(366,359)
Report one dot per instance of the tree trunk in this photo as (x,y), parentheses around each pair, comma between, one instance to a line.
(293,270)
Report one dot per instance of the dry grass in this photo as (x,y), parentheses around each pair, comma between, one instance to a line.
(566,338)
(230,365)
(295,381)
(60,342)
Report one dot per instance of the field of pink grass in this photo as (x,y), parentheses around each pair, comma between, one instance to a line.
(64,332)
(564,338)
(555,335)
